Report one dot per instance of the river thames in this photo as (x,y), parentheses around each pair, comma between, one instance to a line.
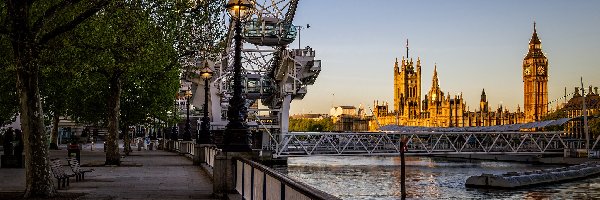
(375,177)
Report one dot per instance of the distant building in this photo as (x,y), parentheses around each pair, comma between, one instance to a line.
(181,100)
(309,116)
(342,110)
(535,80)
(574,109)
(349,119)
(445,111)
(439,109)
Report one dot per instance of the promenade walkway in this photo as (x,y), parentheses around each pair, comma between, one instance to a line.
(144,175)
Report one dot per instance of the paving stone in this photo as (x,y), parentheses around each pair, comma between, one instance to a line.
(145,175)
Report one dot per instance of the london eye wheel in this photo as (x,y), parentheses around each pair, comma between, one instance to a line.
(273,75)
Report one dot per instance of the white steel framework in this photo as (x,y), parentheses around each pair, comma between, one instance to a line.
(273,74)
(419,143)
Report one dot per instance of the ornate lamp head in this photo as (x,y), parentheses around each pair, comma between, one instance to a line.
(206,73)
(239,9)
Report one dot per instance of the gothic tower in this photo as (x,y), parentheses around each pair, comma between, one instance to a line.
(435,101)
(535,79)
(407,88)
(483,103)
(435,95)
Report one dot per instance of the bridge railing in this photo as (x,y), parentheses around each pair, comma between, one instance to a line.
(187,147)
(388,143)
(180,146)
(176,145)
(251,180)
(256,181)
(210,152)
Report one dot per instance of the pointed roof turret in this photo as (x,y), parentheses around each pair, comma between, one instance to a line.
(396,66)
(407,48)
(435,77)
(535,45)
(534,37)
(483,97)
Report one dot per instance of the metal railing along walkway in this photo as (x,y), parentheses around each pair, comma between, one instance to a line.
(419,143)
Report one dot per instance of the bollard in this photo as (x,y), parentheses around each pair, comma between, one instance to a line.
(402,171)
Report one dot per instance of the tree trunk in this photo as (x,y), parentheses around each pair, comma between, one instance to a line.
(126,140)
(38,181)
(37,162)
(54,135)
(112,141)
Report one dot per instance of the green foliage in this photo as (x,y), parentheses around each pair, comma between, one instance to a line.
(196,28)
(594,124)
(146,42)
(557,114)
(30,27)
(123,42)
(593,121)
(325,124)
(60,77)
(8,93)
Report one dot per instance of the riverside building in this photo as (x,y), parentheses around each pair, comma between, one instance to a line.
(439,109)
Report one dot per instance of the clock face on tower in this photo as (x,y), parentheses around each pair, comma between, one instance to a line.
(540,70)
(527,71)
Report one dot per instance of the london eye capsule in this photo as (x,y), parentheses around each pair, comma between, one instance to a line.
(269,31)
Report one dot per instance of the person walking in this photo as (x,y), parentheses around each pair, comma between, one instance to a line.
(147,143)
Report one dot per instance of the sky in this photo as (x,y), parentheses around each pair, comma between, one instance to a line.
(476,45)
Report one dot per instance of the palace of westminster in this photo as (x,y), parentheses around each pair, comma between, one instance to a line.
(437,109)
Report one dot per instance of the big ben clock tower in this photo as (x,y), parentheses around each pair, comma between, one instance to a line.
(535,79)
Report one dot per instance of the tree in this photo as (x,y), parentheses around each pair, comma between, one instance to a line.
(325,124)
(58,83)
(8,91)
(29,26)
(148,95)
(196,28)
(132,58)
(593,121)
(134,55)
(557,114)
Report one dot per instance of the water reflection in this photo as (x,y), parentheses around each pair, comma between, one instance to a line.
(426,178)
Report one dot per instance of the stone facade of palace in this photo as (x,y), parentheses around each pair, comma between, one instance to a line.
(574,109)
(439,109)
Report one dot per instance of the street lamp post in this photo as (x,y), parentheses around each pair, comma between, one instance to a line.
(154,129)
(204,134)
(237,135)
(187,135)
(159,134)
(168,130)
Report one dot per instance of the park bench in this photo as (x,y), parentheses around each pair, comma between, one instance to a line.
(76,168)
(59,173)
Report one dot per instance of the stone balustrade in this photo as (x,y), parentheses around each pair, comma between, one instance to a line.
(256,181)
(236,172)
(210,152)
(186,147)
